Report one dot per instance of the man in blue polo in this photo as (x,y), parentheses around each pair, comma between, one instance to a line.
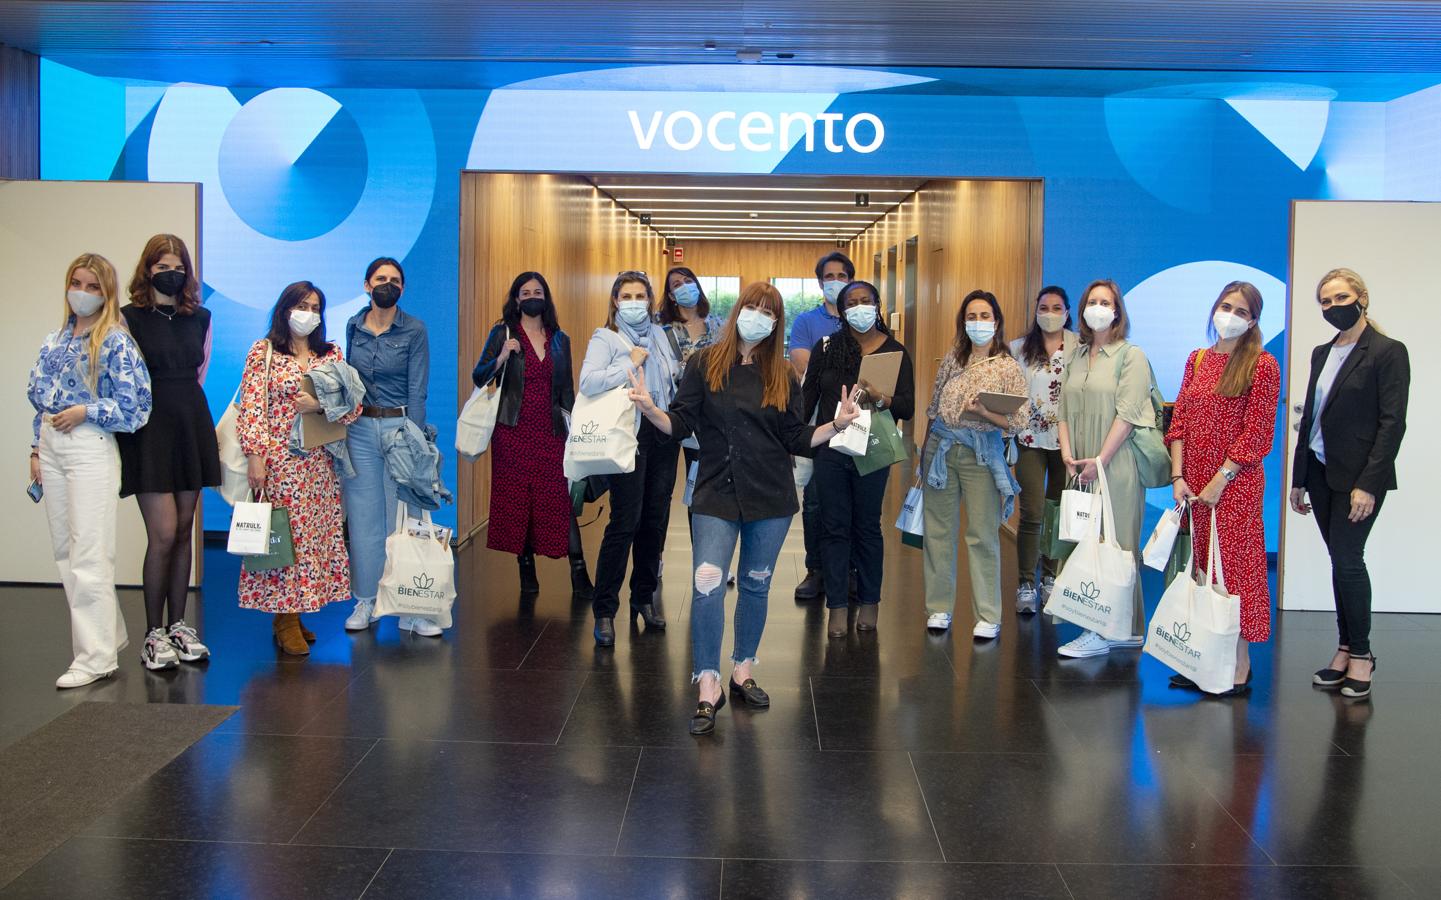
(834,271)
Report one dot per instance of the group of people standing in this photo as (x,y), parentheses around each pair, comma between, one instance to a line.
(121,411)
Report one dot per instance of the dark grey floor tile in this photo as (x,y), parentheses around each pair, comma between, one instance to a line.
(235,787)
(765,879)
(133,869)
(1424,881)
(446,875)
(743,801)
(1399,721)
(570,644)
(1075,807)
(436,795)
(934,714)
(423,702)
(1099,882)
(655,711)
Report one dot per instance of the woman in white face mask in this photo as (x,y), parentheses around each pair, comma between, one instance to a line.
(1220,432)
(270,399)
(88,384)
(1042,352)
(640,499)
(1105,394)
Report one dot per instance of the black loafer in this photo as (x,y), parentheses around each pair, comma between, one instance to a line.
(751,694)
(1181,681)
(703,722)
(605,632)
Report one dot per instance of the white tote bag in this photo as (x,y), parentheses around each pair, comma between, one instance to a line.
(912,520)
(249,528)
(1195,627)
(419,575)
(1157,552)
(1094,589)
(602,439)
(856,439)
(1079,511)
(234,467)
(477,420)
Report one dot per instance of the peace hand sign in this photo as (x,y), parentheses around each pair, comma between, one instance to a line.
(638,393)
(849,408)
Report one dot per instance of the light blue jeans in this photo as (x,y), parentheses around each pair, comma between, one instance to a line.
(713,544)
(370,503)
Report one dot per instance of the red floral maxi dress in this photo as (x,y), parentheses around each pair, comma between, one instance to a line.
(1215,429)
(306,486)
(529,499)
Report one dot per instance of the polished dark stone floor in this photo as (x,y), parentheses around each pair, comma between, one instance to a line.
(514,759)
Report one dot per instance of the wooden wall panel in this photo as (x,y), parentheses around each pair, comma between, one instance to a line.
(755,260)
(19,114)
(559,225)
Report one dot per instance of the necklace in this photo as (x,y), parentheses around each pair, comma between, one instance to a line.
(170,316)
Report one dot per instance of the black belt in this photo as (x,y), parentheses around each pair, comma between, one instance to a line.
(382,412)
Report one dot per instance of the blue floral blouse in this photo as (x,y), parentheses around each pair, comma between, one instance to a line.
(59,380)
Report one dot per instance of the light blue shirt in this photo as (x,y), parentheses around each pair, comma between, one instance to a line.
(59,380)
(395,365)
(1324,383)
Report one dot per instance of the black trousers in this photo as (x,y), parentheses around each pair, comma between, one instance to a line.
(1346,541)
(850,515)
(811,527)
(639,517)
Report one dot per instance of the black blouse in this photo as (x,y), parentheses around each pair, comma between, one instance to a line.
(824,384)
(745,448)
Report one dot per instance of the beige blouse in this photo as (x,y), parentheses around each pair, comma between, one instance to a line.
(957,387)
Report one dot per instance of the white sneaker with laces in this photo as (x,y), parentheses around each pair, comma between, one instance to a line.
(1048,586)
(157,652)
(420,625)
(1128,642)
(362,617)
(74,678)
(1088,644)
(939,622)
(187,643)
(1026,599)
(986,630)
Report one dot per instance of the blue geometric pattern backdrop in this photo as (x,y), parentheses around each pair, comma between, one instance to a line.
(1171,190)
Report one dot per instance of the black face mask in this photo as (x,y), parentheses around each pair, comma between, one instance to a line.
(1342,317)
(386,295)
(533,306)
(170,282)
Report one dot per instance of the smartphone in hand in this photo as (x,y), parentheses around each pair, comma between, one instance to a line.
(35,491)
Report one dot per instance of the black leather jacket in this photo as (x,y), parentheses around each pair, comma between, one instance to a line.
(562,386)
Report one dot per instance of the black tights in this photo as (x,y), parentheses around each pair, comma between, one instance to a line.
(169,524)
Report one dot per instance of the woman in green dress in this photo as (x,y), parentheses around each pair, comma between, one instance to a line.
(1107,393)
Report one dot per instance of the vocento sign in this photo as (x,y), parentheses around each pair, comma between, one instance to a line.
(759,132)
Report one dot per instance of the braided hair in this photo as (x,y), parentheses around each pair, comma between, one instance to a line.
(843,353)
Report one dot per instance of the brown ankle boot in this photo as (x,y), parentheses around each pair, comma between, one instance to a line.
(288,637)
(867,616)
(304,632)
(837,623)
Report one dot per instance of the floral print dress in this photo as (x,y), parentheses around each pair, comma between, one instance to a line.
(306,486)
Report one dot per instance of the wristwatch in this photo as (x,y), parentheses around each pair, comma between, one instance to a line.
(1229,474)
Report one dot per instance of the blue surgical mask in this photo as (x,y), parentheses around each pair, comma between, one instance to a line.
(753,325)
(633,312)
(980,333)
(687,295)
(862,317)
(832,290)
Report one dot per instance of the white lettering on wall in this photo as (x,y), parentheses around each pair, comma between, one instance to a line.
(756,132)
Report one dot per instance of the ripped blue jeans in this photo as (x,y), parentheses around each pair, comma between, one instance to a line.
(713,544)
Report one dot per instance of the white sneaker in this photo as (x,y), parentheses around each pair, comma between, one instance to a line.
(1128,642)
(1048,586)
(74,678)
(157,652)
(986,631)
(939,622)
(420,625)
(1088,644)
(1026,599)
(187,643)
(362,617)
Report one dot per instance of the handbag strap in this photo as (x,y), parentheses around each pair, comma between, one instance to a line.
(1213,557)
(1108,517)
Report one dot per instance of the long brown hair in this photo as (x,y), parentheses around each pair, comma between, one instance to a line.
(629,276)
(964,346)
(768,355)
(1241,367)
(109,319)
(1120,329)
(189,300)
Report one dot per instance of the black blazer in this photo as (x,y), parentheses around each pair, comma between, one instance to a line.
(1364,418)
(562,384)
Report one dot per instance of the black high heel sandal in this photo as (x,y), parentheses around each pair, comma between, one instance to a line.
(1355,688)
(1329,678)
(703,722)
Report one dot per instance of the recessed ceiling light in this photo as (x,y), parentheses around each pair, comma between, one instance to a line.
(709,45)
(748,55)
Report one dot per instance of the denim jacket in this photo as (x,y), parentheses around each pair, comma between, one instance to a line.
(395,366)
(990,450)
(414,461)
(339,389)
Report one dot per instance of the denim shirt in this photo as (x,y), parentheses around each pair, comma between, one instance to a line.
(59,380)
(990,450)
(339,390)
(395,366)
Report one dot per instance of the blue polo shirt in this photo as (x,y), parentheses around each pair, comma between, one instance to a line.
(810,326)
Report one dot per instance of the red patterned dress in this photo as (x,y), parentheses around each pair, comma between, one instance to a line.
(529,499)
(306,486)
(1215,429)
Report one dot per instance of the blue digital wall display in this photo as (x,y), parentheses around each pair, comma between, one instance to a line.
(1169,183)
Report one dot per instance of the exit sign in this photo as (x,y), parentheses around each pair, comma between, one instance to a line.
(678,254)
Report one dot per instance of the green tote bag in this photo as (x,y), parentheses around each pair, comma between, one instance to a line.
(282,545)
(886,447)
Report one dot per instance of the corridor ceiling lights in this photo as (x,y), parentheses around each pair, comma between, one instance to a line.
(796,202)
(873,213)
(658,220)
(612,188)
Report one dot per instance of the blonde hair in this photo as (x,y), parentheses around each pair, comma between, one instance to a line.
(1358,284)
(109,318)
